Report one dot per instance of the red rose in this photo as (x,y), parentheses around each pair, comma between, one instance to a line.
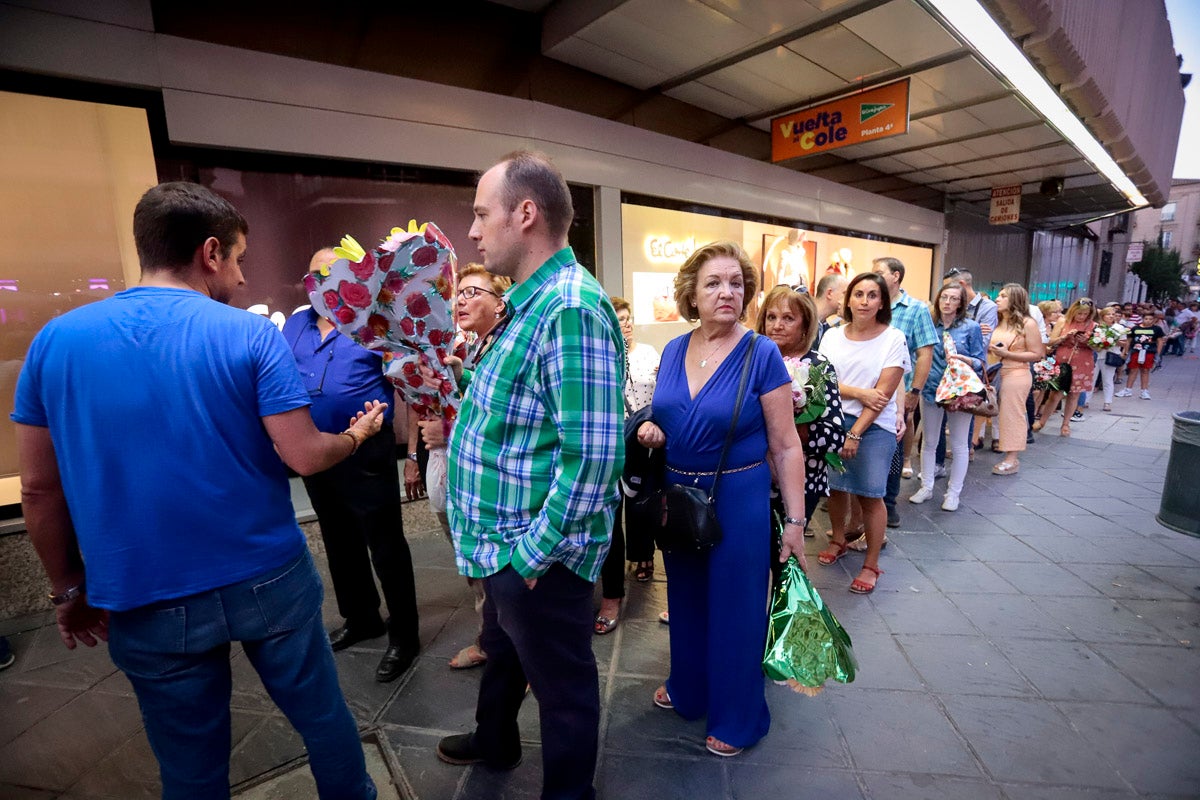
(424,256)
(394,282)
(420,327)
(365,268)
(409,368)
(378,324)
(435,337)
(364,334)
(417,305)
(416,381)
(384,262)
(345,315)
(407,326)
(354,294)
(331,299)
(310,283)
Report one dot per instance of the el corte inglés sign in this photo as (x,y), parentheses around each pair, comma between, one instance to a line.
(864,117)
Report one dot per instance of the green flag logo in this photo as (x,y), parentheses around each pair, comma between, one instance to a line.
(868,110)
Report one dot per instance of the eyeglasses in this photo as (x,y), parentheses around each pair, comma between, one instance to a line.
(471,292)
(320,388)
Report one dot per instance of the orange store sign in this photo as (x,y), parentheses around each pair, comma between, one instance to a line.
(864,117)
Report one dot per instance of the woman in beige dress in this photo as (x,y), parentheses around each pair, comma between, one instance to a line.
(1017,343)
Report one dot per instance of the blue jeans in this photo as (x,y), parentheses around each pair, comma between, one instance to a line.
(176,655)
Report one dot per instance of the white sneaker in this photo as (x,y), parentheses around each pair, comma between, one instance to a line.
(1145,394)
(1125,393)
(922,494)
(950,502)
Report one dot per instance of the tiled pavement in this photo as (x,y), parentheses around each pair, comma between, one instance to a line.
(1041,642)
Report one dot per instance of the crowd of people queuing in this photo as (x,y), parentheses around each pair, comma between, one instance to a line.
(830,392)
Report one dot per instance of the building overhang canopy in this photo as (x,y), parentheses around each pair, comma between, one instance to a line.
(973,124)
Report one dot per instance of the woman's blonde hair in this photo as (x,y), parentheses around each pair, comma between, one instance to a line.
(500,284)
(1047,307)
(1018,306)
(620,304)
(801,304)
(1079,305)
(685,281)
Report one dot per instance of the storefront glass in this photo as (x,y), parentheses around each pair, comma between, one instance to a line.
(656,242)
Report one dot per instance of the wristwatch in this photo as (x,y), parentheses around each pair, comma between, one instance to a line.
(411,456)
(793,521)
(67,596)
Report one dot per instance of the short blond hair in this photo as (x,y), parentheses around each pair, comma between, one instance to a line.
(500,284)
(685,281)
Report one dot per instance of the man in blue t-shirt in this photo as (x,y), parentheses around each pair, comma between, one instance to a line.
(357,501)
(150,428)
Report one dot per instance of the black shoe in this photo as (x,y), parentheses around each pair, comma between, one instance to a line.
(347,635)
(893,520)
(460,749)
(395,662)
(1029,438)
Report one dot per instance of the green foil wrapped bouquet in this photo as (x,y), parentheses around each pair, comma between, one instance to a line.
(806,645)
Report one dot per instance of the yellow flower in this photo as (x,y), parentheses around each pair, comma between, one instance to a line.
(350,250)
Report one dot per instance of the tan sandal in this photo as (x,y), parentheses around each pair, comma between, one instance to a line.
(470,656)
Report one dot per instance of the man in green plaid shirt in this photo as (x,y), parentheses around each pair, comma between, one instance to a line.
(533,469)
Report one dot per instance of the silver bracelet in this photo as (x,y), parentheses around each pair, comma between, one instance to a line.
(793,521)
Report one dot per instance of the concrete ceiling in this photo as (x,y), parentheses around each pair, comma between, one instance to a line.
(748,61)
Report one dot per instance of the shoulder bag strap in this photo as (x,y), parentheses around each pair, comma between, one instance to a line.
(737,411)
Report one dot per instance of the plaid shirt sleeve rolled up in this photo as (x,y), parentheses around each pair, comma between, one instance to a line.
(911,317)
(535,456)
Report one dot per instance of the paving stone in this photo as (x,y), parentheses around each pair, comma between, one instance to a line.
(44,757)
(923,786)
(1044,579)
(965,576)
(1100,619)
(1069,670)
(1070,550)
(1029,791)
(1185,579)
(271,741)
(298,782)
(435,697)
(11,791)
(24,705)
(637,726)
(870,720)
(636,776)
(47,661)
(785,780)
(991,549)
(802,733)
(902,575)
(422,773)
(1138,549)
(1178,619)
(1015,615)
(1125,581)
(644,648)
(919,613)
(962,665)
(939,547)
(1152,749)
(522,783)
(881,663)
(1167,672)
(1028,740)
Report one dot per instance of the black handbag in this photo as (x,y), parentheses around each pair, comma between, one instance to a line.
(1112,359)
(689,520)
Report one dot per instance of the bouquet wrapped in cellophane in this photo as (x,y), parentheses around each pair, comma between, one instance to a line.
(397,299)
(1105,336)
(1045,373)
(806,645)
(810,379)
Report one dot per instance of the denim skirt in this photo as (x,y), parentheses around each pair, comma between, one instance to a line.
(867,473)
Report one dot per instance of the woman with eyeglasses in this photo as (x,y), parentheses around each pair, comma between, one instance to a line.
(478,308)
(1069,341)
(631,540)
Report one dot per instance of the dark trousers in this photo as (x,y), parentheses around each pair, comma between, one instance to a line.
(630,541)
(542,637)
(358,507)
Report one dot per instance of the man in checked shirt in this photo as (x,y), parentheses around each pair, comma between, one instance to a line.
(534,462)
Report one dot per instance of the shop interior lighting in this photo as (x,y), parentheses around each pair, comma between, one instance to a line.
(976,27)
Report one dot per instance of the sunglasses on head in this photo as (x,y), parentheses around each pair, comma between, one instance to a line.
(799,288)
(1086,303)
(953,272)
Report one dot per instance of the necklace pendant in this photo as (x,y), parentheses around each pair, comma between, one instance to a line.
(704,362)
